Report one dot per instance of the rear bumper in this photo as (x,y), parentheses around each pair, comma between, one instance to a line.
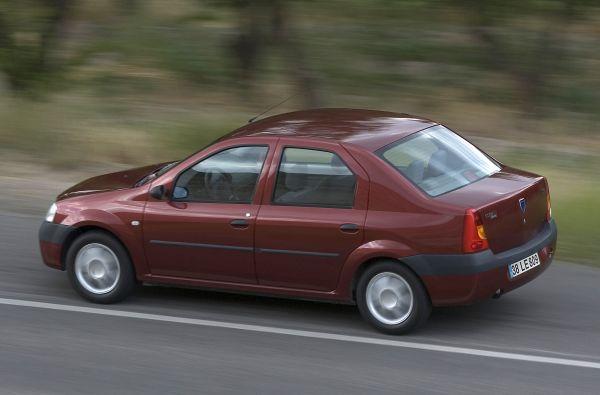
(466,278)
(52,238)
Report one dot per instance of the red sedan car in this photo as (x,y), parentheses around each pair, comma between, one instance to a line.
(389,211)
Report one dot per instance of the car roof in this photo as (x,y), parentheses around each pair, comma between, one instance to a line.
(369,129)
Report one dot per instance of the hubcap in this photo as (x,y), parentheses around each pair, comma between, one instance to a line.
(97,268)
(389,298)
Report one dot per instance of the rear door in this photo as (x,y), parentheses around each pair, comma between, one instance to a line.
(312,216)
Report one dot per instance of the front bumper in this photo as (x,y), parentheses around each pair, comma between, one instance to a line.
(52,239)
(466,278)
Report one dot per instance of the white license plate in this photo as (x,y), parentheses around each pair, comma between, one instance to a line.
(524,265)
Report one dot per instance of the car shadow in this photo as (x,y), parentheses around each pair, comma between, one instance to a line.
(300,314)
(243,303)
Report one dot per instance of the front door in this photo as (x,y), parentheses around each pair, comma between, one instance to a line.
(206,230)
(312,217)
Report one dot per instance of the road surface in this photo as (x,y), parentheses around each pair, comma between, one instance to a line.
(543,339)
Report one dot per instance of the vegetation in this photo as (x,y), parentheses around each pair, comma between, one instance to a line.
(86,83)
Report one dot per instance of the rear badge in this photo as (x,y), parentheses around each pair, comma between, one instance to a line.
(523,207)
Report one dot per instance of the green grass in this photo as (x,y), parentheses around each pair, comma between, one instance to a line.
(578,218)
(575,194)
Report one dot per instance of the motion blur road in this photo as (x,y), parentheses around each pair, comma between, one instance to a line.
(54,351)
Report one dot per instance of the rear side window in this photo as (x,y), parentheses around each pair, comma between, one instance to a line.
(438,160)
(309,177)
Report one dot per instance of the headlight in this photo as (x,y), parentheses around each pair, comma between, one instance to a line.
(51,212)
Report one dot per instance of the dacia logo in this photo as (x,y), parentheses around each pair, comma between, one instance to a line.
(523,207)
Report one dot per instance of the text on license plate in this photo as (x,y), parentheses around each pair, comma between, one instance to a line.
(524,265)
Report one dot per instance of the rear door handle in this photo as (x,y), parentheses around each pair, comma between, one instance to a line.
(349,228)
(239,223)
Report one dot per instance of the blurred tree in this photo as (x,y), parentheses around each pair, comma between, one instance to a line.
(247,43)
(29,31)
(129,6)
(252,40)
(536,47)
(293,53)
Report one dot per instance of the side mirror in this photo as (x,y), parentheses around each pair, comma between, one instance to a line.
(158,192)
(180,193)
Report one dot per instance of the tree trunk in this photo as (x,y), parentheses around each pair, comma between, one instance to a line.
(246,46)
(23,71)
(53,32)
(294,54)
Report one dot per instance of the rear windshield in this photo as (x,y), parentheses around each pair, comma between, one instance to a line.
(438,160)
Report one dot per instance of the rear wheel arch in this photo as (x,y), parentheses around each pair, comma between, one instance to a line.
(364,256)
(374,260)
(391,297)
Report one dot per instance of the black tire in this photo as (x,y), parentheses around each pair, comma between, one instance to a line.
(126,281)
(421,307)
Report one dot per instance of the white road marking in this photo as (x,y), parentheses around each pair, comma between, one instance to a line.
(303,333)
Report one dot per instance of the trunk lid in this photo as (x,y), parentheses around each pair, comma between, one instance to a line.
(512,204)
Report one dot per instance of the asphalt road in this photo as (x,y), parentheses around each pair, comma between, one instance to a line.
(61,352)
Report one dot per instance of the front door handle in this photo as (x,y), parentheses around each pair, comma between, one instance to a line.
(239,223)
(349,228)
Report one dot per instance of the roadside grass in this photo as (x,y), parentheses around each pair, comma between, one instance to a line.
(578,219)
(85,131)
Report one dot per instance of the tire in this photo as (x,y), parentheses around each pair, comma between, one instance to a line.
(99,268)
(384,293)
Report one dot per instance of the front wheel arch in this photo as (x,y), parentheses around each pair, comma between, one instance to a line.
(126,281)
(78,232)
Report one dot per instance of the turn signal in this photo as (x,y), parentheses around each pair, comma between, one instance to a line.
(474,237)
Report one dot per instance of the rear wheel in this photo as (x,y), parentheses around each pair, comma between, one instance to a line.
(391,298)
(99,268)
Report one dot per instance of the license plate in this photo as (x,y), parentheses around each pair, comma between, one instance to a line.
(524,265)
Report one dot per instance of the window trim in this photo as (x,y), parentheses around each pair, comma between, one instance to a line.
(356,178)
(260,172)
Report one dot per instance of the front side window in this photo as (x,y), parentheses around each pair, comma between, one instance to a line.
(310,177)
(229,176)
(438,160)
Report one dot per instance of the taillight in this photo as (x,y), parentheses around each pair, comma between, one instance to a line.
(548,205)
(474,238)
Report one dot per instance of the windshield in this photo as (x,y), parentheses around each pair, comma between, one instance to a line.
(438,160)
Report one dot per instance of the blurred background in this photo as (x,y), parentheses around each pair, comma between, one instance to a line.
(95,86)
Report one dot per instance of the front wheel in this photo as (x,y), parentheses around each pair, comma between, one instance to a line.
(391,298)
(99,268)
